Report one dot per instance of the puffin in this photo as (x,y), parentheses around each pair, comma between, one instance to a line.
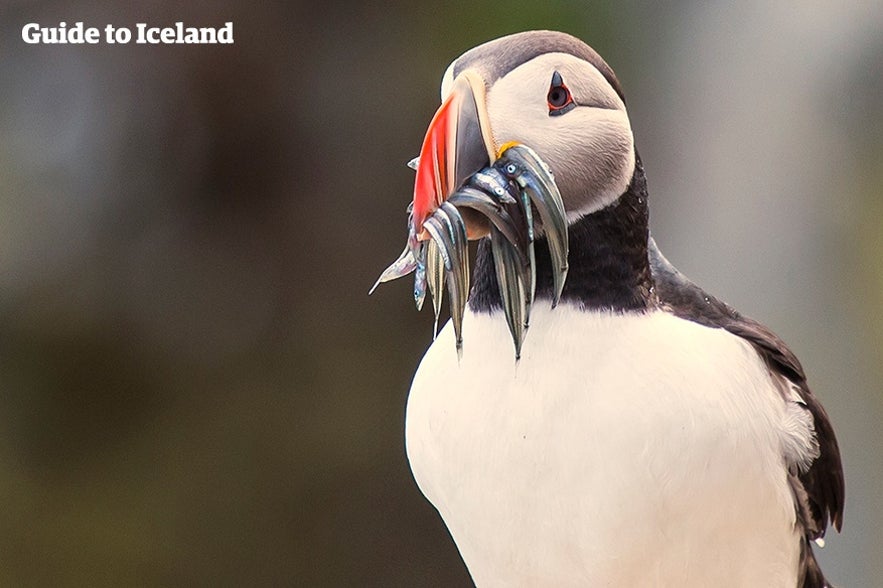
(647,434)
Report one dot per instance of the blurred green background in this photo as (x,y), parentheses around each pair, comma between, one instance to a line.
(195,388)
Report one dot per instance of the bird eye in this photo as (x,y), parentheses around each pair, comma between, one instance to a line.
(559,97)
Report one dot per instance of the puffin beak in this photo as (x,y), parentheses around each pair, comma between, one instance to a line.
(467,187)
(458,143)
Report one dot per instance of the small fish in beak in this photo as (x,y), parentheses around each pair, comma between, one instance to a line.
(467,189)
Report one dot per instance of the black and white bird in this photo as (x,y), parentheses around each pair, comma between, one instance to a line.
(649,434)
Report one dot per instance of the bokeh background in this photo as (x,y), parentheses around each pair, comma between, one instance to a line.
(195,388)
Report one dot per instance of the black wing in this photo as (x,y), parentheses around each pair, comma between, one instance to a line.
(819,490)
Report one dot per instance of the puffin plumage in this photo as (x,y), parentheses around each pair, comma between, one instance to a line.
(649,435)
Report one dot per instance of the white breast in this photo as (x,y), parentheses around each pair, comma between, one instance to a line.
(622,451)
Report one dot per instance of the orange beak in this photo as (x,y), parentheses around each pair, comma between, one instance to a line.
(458,143)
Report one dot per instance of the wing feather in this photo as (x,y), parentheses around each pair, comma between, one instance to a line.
(819,488)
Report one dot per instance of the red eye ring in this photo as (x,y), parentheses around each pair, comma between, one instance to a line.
(559,97)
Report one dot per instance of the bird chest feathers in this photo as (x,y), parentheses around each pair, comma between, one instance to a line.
(623,449)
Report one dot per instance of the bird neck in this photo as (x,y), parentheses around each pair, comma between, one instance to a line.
(609,266)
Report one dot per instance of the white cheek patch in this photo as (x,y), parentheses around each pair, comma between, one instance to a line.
(603,157)
(589,88)
(518,112)
(590,148)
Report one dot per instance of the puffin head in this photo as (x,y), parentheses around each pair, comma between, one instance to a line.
(544,89)
(531,147)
